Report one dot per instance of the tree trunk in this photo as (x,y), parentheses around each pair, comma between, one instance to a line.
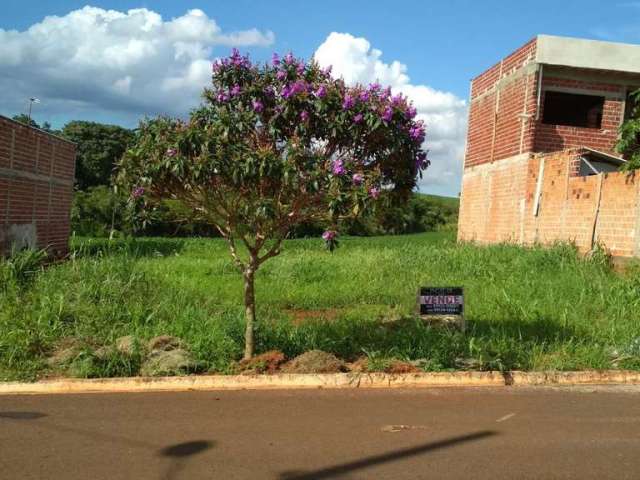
(249,310)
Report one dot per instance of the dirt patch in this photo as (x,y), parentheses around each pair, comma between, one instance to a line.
(165,343)
(268,362)
(299,316)
(168,362)
(401,367)
(66,350)
(360,365)
(315,361)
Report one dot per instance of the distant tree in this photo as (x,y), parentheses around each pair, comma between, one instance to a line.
(99,147)
(629,142)
(275,146)
(23,118)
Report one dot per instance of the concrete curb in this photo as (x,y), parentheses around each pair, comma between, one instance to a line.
(328,381)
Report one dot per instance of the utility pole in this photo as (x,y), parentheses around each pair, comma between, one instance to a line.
(32,100)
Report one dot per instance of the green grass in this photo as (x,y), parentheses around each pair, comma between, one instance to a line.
(526,309)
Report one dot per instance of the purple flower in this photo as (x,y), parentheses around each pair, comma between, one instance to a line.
(275,59)
(171,152)
(421,161)
(386,93)
(338,167)
(268,91)
(320,92)
(329,235)
(238,60)
(417,133)
(364,96)
(358,118)
(374,87)
(300,86)
(288,58)
(297,87)
(327,70)
(357,179)
(374,192)
(300,68)
(137,192)
(281,75)
(278,109)
(396,100)
(217,66)
(222,97)
(304,115)
(348,102)
(257,106)
(411,112)
(235,91)
(388,114)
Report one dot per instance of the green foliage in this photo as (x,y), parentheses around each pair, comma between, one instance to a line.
(102,212)
(99,147)
(22,118)
(629,142)
(97,212)
(21,267)
(572,314)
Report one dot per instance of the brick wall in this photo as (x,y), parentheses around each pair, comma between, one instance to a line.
(36,188)
(550,138)
(498,204)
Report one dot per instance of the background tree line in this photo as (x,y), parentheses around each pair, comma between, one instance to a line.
(99,210)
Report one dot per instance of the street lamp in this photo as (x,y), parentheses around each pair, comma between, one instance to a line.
(32,100)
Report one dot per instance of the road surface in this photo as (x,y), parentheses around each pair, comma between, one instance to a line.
(452,433)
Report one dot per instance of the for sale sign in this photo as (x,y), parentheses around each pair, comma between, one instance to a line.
(443,304)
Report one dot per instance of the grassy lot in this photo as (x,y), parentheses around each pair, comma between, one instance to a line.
(526,308)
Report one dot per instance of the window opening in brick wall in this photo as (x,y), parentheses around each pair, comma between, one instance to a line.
(571,109)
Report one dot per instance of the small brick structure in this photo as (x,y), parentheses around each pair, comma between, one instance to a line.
(36,188)
(536,176)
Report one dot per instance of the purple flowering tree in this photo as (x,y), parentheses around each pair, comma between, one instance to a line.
(275,145)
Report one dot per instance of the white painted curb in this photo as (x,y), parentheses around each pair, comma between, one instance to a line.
(327,381)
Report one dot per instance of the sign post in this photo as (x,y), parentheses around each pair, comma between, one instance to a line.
(442,305)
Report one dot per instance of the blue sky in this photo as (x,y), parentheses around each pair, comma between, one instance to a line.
(81,71)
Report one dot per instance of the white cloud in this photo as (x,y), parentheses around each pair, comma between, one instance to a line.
(444,113)
(106,61)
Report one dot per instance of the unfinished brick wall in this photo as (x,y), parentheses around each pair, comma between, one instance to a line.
(550,138)
(499,202)
(506,108)
(36,188)
(502,100)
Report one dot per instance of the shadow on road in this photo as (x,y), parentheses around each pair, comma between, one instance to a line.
(345,468)
(179,453)
(186,449)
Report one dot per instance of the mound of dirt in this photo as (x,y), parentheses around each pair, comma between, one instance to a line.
(66,350)
(171,362)
(165,343)
(268,362)
(360,365)
(401,367)
(315,361)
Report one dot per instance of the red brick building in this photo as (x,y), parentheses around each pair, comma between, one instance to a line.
(540,161)
(36,188)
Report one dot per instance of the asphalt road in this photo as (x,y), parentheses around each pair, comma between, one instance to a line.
(355,434)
